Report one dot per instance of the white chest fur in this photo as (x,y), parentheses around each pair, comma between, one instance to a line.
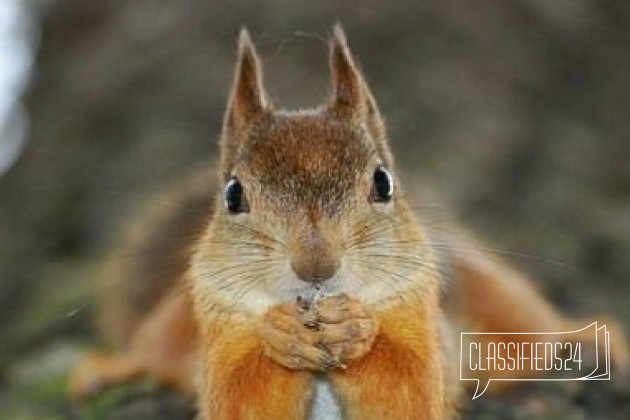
(325,404)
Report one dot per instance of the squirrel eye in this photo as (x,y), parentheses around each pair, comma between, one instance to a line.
(383,187)
(234,198)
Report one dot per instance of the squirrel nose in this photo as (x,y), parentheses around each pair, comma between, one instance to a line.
(314,259)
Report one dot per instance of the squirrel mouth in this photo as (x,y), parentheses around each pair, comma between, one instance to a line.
(309,297)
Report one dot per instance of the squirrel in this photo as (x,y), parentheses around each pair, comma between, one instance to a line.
(300,284)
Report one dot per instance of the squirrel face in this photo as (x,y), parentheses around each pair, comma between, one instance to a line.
(309,198)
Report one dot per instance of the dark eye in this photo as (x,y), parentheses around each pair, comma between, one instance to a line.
(383,187)
(234,197)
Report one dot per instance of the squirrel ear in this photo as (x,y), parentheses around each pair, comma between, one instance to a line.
(351,95)
(247,99)
(347,82)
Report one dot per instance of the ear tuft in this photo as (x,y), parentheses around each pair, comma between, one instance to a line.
(244,39)
(248,98)
(347,82)
(352,97)
(248,70)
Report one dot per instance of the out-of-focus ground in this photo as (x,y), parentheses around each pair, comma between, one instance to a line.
(512,115)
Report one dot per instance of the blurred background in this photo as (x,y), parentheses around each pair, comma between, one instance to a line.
(509,117)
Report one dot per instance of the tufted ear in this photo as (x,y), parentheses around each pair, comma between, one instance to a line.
(347,83)
(351,96)
(248,99)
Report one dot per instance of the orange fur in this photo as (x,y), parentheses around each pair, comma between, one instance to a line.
(401,377)
(241,382)
(164,347)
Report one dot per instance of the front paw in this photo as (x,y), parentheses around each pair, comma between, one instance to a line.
(347,328)
(290,343)
(330,334)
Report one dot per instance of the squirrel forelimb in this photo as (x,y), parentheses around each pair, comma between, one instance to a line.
(318,335)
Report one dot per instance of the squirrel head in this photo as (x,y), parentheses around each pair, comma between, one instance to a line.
(308,196)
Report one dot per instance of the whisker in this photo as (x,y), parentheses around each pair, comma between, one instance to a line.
(509,253)
(405,295)
(255,232)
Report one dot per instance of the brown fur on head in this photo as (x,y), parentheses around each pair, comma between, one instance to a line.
(308,209)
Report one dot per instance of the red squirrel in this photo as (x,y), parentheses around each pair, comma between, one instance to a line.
(307,287)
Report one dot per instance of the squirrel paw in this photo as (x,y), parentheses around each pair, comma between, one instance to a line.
(344,331)
(98,371)
(347,328)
